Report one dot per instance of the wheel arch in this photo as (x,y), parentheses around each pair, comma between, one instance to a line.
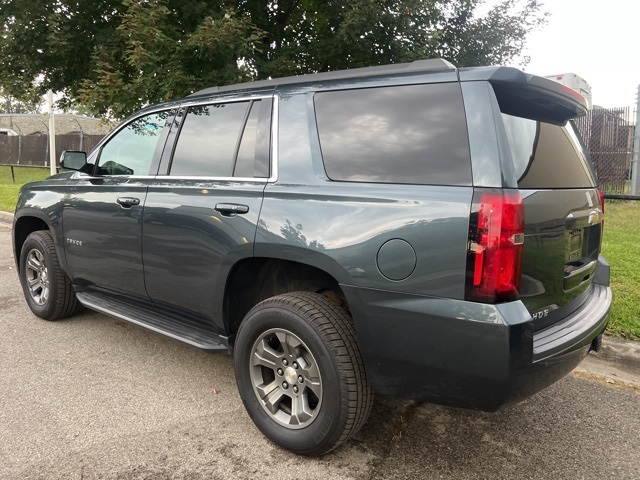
(23,226)
(252,280)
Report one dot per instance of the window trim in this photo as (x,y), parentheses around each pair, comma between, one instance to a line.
(273,151)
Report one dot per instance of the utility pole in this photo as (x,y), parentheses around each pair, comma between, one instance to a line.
(636,148)
(52,136)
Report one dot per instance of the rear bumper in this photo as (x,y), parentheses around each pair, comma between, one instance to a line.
(468,354)
(577,330)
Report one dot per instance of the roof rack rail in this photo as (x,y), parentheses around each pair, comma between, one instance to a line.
(427,65)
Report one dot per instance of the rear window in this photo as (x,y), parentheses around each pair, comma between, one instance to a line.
(414,134)
(547,156)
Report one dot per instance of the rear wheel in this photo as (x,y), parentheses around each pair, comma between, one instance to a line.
(300,373)
(46,289)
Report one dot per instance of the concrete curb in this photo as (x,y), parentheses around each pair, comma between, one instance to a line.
(6,217)
(618,361)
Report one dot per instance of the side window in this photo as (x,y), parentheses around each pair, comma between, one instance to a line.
(223,140)
(414,134)
(132,150)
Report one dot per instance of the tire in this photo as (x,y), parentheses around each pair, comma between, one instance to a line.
(46,288)
(300,373)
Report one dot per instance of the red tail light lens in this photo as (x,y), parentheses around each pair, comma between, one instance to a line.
(496,237)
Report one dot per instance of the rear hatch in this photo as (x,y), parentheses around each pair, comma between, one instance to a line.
(562,210)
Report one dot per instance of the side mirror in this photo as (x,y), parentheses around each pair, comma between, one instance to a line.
(73,160)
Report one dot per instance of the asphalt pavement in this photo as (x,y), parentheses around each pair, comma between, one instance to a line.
(93,397)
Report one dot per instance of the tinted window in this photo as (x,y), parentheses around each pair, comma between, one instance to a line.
(245,162)
(208,140)
(132,149)
(262,163)
(545,155)
(405,134)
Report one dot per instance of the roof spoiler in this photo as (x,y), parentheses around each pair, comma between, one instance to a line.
(529,96)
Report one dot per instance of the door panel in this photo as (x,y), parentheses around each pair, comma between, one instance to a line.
(189,246)
(200,218)
(102,237)
(102,217)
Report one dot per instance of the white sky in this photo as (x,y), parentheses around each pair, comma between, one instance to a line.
(597,39)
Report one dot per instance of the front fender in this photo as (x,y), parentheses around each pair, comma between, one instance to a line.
(39,206)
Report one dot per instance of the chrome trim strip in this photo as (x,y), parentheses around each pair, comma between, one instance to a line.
(213,101)
(86,176)
(161,178)
(275,119)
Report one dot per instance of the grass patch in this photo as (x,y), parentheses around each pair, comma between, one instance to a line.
(9,190)
(621,246)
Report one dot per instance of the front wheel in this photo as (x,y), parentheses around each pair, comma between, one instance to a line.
(300,373)
(46,289)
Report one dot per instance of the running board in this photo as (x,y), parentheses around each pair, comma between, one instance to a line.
(155,321)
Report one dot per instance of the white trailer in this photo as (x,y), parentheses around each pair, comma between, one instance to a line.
(574,82)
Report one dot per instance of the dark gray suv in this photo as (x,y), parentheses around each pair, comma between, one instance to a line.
(415,230)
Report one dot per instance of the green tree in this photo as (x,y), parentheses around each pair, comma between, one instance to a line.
(114,56)
(27,104)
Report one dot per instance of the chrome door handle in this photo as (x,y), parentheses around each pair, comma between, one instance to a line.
(128,202)
(231,209)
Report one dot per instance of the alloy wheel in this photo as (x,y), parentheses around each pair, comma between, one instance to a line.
(286,378)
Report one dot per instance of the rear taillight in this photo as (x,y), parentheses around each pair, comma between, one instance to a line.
(496,236)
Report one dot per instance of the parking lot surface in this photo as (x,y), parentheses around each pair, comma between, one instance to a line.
(94,397)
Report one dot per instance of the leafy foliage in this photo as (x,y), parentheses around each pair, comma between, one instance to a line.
(114,56)
(27,104)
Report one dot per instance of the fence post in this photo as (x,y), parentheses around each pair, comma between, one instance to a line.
(52,135)
(81,135)
(46,151)
(636,147)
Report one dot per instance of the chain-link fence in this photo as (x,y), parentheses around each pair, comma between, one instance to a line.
(608,134)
